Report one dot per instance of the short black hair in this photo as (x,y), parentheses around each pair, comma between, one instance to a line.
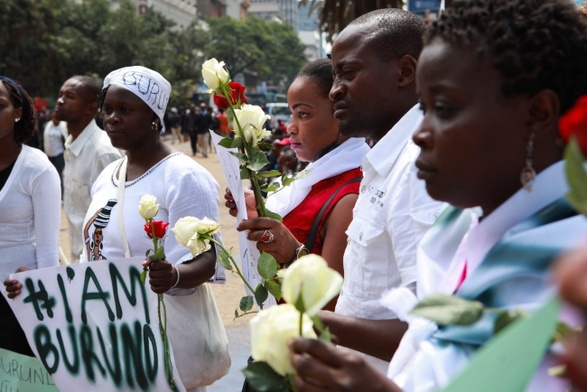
(397,32)
(90,86)
(319,71)
(533,44)
(25,127)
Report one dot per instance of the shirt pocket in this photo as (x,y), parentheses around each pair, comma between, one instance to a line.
(78,199)
(364,272)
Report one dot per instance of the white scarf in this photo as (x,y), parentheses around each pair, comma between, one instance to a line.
(347,156)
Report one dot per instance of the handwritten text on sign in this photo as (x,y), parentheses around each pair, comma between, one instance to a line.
(94,326)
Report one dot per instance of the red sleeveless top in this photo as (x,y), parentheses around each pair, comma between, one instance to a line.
(300,220)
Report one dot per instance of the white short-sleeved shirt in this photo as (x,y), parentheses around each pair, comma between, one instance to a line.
(182,188)
(85,158)
(391,215)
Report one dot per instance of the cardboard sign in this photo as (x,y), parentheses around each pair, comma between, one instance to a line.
(94,327)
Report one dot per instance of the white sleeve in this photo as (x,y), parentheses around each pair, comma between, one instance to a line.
(46,197)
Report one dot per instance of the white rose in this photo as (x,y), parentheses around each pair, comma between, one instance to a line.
(148,207)
(194,233)
(214,73)
(271,329)
(251,119)
(312,279)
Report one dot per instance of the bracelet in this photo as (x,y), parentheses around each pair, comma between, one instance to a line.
(177,274)
(300,252)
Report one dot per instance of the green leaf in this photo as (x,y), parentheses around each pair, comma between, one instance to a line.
(143,275)
(237,142)
(324,333)
(271,187)
(287,179)
(246,303)
(449,310)
(265,146)
(505,318)
(270,173)
(224,259)
(264,379)
(226,142)
(148,252)
(300,304)
(274,288)
(241,157)
(576,176)
(267,266)
(261,294)
(257,160)
(245,173)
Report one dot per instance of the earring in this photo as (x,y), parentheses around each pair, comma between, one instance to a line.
(154,126)
(17,119)
(528,173)
(339,138)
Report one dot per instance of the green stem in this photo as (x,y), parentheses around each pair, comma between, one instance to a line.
(300,323)
(261,210)
(235,265)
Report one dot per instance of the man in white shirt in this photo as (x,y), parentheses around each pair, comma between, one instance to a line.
(374,60)
(87,152)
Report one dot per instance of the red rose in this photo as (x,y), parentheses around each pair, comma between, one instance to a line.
(237,96)
(574,123)
(159,227)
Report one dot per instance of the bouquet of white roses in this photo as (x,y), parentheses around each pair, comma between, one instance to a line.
(307,286)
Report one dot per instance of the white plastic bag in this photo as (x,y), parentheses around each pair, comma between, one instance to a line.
(198,338)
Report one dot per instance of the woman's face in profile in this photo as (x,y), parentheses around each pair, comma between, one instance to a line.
(313,126)
(8,114)
(472,138)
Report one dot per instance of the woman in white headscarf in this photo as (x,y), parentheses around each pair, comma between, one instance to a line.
(133,102)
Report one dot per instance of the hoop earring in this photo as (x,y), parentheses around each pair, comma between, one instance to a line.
(528,173)
(17,119)
(154,126)
(339,138)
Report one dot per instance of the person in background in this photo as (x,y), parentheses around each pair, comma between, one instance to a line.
(87,152)
(189,127)
(490,147)
(30,207)
(223,127)
(54,135)
(175,125)
(203,124)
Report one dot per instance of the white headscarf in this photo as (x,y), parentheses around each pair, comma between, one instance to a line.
(148,85)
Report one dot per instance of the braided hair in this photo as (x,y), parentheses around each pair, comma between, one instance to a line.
(25,127)
(532,44)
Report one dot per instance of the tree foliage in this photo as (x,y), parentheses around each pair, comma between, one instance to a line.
(335,15)
(253,47)
(43,42)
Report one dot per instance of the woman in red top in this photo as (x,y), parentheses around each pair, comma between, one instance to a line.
(334,171)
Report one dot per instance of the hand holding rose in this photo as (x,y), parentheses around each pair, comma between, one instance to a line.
(284,244)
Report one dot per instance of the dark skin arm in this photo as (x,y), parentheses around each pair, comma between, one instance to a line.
(321,366)
(378,338)
(13,286)
(192,273)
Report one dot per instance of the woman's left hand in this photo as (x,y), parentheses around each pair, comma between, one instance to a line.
(13,286)
(162,275)
(272,237)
